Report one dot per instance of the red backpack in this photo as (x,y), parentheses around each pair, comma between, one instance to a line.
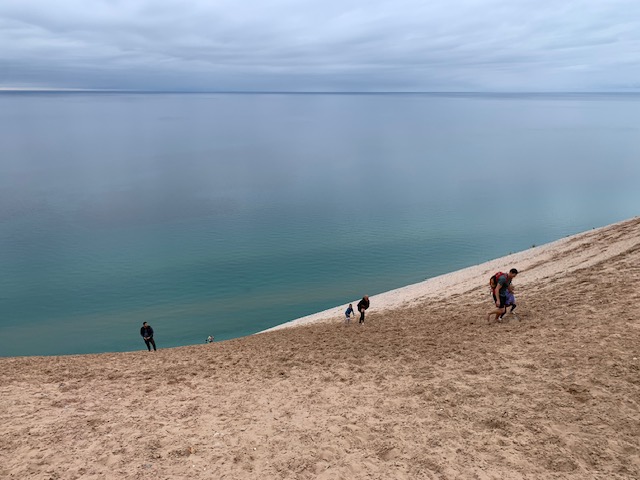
(493,281)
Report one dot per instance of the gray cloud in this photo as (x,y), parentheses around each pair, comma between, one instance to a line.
(321,45)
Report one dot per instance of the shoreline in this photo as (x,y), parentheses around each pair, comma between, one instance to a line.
(459,281)
(533,265)
(428,390)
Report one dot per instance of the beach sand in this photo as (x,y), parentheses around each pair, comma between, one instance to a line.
(426,389)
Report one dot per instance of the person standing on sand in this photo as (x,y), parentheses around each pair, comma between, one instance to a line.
(147,333)
(347,314)
(503,285)
(362,306)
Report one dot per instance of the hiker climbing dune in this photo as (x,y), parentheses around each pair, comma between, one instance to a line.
(501,290)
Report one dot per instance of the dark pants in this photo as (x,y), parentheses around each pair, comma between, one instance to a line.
(361,316)
(149,342)
(513,307)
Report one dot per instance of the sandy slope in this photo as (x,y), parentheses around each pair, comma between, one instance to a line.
(428,390)
(539,263)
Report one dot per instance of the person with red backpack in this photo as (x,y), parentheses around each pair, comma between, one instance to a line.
(500,285)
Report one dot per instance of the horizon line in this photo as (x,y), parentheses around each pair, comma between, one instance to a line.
(311,92)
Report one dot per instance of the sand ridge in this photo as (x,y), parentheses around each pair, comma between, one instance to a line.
(537,264)
(425,391)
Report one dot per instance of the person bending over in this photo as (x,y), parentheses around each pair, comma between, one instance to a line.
(362,306)
(503,286)
(347,314)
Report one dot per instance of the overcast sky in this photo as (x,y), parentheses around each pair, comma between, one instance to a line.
(321,45)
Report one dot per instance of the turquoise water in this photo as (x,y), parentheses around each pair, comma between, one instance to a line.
(228,214)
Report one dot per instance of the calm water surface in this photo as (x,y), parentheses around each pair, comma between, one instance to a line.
(228,214)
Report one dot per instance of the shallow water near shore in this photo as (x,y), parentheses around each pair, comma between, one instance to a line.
(228,214)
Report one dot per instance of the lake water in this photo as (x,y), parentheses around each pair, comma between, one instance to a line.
(227,214)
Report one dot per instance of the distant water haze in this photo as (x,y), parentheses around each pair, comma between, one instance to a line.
(227,214)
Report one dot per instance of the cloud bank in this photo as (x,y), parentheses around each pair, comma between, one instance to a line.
(346,45)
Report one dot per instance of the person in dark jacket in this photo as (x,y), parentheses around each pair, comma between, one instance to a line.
(147,333)
(362,306)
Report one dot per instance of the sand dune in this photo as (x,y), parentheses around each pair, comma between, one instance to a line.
(425,390)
